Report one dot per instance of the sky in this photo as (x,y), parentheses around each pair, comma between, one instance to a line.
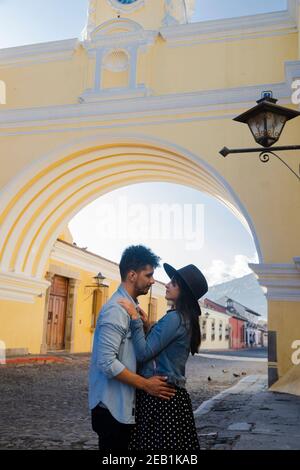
(202,232)
(32,21)
(224,247)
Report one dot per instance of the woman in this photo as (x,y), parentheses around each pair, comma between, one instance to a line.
(162,424)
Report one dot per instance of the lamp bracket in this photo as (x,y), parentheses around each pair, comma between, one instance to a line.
(264,154)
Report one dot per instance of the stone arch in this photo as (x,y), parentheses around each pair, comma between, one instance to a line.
(54,188)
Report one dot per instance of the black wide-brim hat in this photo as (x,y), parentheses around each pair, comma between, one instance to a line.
(192,278)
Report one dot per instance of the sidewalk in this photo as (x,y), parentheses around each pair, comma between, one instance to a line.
(249,417)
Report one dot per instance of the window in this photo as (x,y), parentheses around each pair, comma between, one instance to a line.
(213,330)
(227,331)
(220,330)
(203,330)
(2,92)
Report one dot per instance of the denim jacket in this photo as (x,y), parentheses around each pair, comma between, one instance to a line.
(113,352)
(165,349)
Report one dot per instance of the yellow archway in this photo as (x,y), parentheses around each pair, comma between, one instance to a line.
(56,187)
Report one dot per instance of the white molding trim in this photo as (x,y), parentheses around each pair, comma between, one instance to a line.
(21,288)
(87,261)
(243,27)
(109,94)
(282,281)
(106,39)
(92,263)
(108,35)
(57,269)
(38,53)
(219,100)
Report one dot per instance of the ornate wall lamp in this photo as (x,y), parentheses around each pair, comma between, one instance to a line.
(266,122)
(100,295)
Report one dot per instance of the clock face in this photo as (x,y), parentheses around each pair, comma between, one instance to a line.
(126,5)
(126,2)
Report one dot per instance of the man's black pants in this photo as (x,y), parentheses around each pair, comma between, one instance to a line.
(112,434)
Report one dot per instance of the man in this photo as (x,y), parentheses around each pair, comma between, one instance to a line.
(113,377)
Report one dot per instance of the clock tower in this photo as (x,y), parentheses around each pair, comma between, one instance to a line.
(150,14)
(118,36)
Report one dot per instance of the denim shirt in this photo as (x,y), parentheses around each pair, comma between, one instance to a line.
(165,349)
(113,352)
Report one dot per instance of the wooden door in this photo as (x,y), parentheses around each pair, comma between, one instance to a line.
(57,313)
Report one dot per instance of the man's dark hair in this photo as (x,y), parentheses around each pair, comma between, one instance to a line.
(135,258)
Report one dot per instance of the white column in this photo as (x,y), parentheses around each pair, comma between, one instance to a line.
(133,67)
(98,70)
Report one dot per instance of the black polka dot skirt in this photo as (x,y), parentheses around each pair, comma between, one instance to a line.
(164,425)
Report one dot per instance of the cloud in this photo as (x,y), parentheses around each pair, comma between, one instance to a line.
(220,272)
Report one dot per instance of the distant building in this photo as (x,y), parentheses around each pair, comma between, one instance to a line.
(263,329)
(244,323)
(215,327)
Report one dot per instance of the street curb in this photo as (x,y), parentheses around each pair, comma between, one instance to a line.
(33,360)
(233,358)
(258,382)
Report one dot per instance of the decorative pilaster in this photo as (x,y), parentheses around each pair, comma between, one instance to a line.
(71,314)
(281,281)
(115,46)
(91,21)
(49,277)
(282,289)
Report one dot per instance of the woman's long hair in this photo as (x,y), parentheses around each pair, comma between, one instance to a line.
(190,310)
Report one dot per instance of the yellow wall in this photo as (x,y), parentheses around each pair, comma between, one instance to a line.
(165,70)
(284,320)
(21,325)
(204,138)
(179,145)
(43,84)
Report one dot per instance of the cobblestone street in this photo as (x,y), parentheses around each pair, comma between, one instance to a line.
(46,406)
